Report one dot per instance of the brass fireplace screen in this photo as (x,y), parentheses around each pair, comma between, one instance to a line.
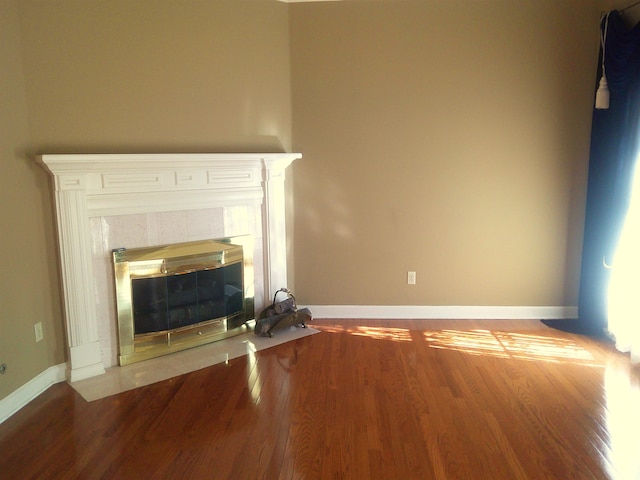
(178,296)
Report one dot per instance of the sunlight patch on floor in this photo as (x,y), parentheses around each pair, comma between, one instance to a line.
(500,344)
(511,345)
(378,333)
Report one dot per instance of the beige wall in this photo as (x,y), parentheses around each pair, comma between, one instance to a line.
(446,137)
(157,75)
(119,76)
(29,289)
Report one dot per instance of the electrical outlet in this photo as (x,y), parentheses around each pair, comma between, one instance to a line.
(411,278)
(39,333)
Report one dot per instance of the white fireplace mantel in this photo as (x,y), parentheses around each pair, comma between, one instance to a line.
(97,185)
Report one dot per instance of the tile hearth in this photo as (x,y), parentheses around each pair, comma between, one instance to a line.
(121,379)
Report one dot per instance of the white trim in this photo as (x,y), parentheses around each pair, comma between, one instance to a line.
(444,312)
(30,390)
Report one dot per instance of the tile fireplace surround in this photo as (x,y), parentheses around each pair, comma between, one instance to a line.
(107,201)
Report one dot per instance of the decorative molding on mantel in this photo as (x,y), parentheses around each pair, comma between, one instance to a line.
(118,184)
(95,185)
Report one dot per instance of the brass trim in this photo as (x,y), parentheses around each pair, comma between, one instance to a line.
(173,259)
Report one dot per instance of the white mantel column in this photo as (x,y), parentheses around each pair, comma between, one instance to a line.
(274,225)
(85,359)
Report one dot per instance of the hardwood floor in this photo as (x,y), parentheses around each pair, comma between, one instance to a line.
(362,399)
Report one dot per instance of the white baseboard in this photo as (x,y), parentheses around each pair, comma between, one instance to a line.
(443,312)
(30,390)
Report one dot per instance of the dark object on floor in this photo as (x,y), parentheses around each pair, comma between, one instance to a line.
(281,314)
(574,325)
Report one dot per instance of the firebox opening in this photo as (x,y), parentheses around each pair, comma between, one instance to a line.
(168,302)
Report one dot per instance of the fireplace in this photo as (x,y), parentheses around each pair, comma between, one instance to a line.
(107,201)
(173,297)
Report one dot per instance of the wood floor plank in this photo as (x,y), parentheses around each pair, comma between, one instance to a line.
(436,399)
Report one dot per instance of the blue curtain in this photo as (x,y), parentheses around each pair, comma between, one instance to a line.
(614,147)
